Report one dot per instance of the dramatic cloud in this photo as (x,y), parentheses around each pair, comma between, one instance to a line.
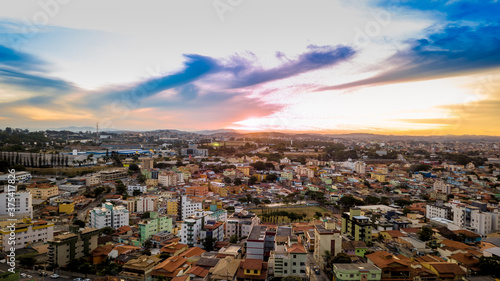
(455,50)
(316,58)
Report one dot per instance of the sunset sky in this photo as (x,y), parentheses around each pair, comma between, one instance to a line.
(421,67)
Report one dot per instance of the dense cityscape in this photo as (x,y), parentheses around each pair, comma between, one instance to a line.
(250,140)
(223,205)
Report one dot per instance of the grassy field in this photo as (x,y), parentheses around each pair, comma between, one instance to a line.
(310,211)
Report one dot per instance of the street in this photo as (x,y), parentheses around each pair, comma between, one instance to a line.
(313,276)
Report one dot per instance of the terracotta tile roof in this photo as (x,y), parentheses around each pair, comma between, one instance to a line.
(180,278)
(193,251)
(395,233)
(455,244)
(443,268)
(252,264)
(429,258)
(384,259)
(467,233)
(102,250)
(465,259)
(243,266)
(198,271)
(171,267)
(296,248)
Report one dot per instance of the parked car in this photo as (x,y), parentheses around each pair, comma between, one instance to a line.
(77,279)
(54,276)
(316,270)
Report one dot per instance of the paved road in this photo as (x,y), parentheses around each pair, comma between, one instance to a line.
(82,214)
(63,276)
(313,276)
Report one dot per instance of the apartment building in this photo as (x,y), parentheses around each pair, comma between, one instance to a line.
(156,223)
(28,232)
(188,207)
(240,223)
(438,210)
(288,260)
(198,191)
(172,206)
(72,245)
(472,218)
(255,242)
(442,187)
(109,216)
(355,225)
(42,191)
(22,200)
(147,163)
(191,228)
(142,204)
(213,229)
(112,175)
(141,188)
(326,239)
(168,178)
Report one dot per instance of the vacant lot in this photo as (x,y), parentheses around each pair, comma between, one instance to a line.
(310,211)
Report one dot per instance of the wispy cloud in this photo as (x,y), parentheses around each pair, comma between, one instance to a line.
(454,50)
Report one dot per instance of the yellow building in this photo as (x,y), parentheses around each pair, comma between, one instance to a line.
(245,170)
(172,207)
(43,191)
(152,182)
(67,208)
(379,177)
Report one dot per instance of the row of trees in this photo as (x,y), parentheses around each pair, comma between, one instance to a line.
(278,216)
(39,160)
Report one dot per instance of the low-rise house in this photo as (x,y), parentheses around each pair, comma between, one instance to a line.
(252,269)
(139,269)
(356,272)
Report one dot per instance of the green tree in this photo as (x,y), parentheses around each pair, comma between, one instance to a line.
(28,261)
(425,234)
(233,239)
(237,181)
(209,243)
(107,230)
(341,258)
(133,167)
(80,223)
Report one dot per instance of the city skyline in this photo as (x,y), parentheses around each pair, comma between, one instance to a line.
(383,67)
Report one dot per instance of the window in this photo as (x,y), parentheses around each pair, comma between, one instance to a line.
(294,271)
(294,263)
(255,271)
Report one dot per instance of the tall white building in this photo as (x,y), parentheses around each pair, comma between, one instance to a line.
(191,227)
(240,223)
(141,188)
(27,233)
(442,187)
(188,207)
(360,167)
(472,218)
(169,178)
(142,204)
(22,201)
(109,216)
(438,210)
